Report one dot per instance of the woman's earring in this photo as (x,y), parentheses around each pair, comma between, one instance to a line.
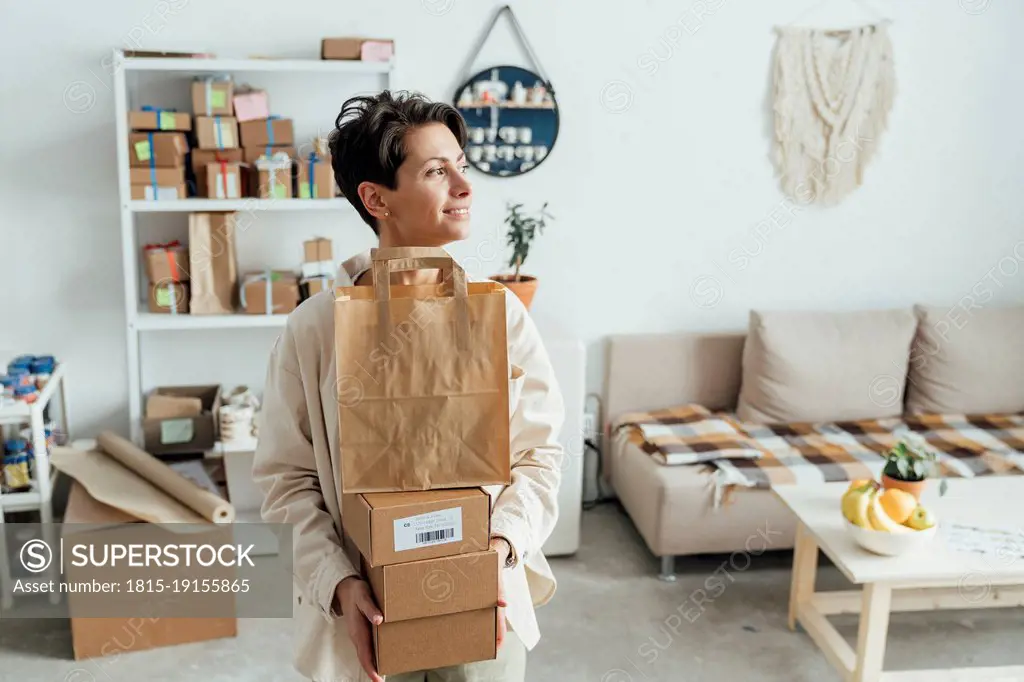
(387,213)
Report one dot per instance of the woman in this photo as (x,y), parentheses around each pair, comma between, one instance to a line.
(399,159)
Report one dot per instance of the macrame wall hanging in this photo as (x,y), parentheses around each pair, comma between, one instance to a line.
(833,92)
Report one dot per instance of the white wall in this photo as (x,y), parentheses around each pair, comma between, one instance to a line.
(659,176)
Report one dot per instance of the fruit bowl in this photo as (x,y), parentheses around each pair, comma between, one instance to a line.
(887,543)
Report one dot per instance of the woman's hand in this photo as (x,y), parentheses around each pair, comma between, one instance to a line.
(501,546)
(359,610)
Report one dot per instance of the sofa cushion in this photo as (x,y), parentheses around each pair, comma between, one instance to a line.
(967,361)
(819,366)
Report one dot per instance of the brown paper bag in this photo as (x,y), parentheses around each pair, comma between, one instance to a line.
(422,379)
(211,247)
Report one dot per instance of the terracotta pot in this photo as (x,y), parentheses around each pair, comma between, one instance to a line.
(525,287)
(915,488)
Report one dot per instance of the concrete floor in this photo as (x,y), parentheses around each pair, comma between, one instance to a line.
(611,621)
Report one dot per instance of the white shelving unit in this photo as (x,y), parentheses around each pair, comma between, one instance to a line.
(38,496)
(138,320)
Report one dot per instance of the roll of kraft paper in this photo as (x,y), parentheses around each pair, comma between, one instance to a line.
(122,475)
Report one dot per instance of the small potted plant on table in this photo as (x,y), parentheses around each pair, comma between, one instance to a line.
(522,230)
(908,466)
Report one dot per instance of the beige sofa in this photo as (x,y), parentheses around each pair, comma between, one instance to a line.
(779,372)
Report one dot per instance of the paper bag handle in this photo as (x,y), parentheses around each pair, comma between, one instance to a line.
(399,259)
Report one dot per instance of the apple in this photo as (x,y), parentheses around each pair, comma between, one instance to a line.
(921,519)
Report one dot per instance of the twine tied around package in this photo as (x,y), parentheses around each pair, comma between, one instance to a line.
(167,248)
(268,276)
(270,135)
(273,163)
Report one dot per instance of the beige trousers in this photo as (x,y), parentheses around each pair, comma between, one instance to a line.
(509,666)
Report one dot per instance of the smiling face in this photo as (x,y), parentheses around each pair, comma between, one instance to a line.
(430,204)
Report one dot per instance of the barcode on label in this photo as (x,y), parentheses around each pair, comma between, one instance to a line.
(435,535)
(431,528)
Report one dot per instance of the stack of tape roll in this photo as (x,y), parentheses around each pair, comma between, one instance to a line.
(236,423)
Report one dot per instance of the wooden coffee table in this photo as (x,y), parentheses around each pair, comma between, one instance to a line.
(937,577)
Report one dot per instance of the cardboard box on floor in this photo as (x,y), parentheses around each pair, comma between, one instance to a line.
(94,637)
(390,528)
(184,435)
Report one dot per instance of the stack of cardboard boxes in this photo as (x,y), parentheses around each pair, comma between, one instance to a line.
(156,152)
(167,268)
(240,150)
(425,555)
(317,267)
(217,161)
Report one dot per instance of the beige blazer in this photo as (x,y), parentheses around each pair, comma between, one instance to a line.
(297,468)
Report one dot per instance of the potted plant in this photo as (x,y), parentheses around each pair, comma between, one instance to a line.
(909,464)
(522,230)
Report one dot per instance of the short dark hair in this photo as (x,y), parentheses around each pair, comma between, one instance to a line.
(367,143)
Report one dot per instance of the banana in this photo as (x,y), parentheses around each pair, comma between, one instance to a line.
(854,502)
(879,520)
(860,511)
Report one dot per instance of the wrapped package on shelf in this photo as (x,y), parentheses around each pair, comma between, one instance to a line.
(251,104)
(212,96)
(270,292)
(217,132)
(155,118)
(273,177)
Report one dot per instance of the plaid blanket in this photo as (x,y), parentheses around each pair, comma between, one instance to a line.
(760,456)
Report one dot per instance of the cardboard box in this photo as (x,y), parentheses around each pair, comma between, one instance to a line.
(374,49)
(159,120)
(217,132)
(272,182)
(278,289)
(253,154)
(434,587)
(94,637)
(437,642)
(389,528)
(165,150)
(168,297)
(203,157)
(320,183)
(251,104)
(318,249)
(268,132)
(212,97)
(160,406)
(184,435)
(166,262)
(159,193)
(165,177)
(223,181)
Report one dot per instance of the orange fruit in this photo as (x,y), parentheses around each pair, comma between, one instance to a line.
(898,504)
